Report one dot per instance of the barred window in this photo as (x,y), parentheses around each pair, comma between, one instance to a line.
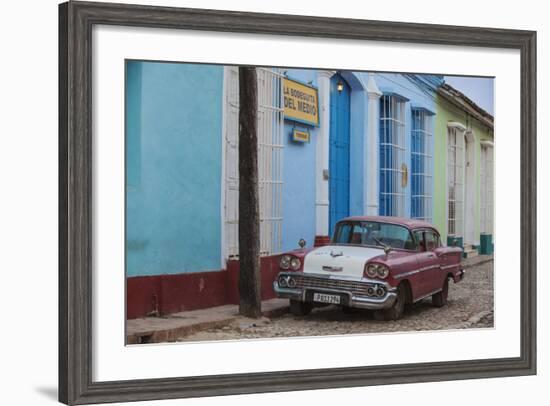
(270,160)
(486,178)
(455,181)
(392,151)
(421,160)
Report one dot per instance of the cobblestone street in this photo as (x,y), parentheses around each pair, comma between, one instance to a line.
(470,306)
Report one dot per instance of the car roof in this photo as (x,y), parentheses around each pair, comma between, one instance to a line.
(403,221)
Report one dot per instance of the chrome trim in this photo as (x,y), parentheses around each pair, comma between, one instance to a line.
(350,278)
(374,303)
(288,293)
(408,273)
(343,277)
(354,299)
(332,268)
(426,268)
(360,302)
(425,296)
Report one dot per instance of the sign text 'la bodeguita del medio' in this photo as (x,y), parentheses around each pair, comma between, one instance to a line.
(301,102)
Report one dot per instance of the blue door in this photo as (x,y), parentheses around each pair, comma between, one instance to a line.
(339,150)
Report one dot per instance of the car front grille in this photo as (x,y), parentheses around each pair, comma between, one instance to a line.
(311,282)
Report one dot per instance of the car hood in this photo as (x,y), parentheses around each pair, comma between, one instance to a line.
(340,260)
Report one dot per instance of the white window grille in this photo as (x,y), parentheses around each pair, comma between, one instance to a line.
(486,181)
(231,162)
(455,181)
(421,168)
(392,155)
(270,160)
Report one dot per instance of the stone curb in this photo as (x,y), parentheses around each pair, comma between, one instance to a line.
(481,262)
(172,334)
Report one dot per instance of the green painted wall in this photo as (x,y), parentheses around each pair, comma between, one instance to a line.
(447,112)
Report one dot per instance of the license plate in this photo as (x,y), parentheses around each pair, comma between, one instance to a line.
(324,298)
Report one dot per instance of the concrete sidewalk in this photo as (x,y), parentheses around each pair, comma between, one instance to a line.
(169,328)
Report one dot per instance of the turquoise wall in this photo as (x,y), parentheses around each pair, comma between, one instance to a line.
(173,168)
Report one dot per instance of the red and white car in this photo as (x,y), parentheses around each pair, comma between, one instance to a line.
(372,262)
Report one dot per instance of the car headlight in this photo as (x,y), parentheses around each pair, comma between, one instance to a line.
(376,271)
(383,271)
(295,263)
(371,270)
(284,262)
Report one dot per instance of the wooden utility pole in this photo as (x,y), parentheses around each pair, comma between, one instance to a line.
(250,301)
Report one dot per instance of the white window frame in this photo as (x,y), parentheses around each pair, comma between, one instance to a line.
(456,158)
(487,187)
(270,161)
(425,134)
(394,117)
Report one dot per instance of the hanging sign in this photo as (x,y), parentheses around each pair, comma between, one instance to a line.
(301,102)
(300,136)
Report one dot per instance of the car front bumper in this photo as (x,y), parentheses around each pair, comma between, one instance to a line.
(331,284)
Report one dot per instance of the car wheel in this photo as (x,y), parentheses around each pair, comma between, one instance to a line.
(398,308)
(299,308)
(440,298)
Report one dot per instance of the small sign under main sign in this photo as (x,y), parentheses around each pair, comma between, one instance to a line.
(300,136)
(301,102)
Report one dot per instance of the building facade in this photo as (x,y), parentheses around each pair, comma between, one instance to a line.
(464,179)
(331,144)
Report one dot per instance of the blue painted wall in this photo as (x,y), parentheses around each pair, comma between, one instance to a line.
(419,94)
(299,178)
(174,157)
(299,158)
(358,131)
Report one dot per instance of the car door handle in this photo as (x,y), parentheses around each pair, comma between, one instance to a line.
(431,255)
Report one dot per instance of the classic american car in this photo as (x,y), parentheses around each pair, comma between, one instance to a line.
(373,262)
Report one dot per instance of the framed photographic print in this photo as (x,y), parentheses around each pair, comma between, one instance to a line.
(259,202)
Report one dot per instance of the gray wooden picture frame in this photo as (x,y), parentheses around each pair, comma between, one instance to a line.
(76,20)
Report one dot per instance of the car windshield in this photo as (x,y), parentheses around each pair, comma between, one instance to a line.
(373,233)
